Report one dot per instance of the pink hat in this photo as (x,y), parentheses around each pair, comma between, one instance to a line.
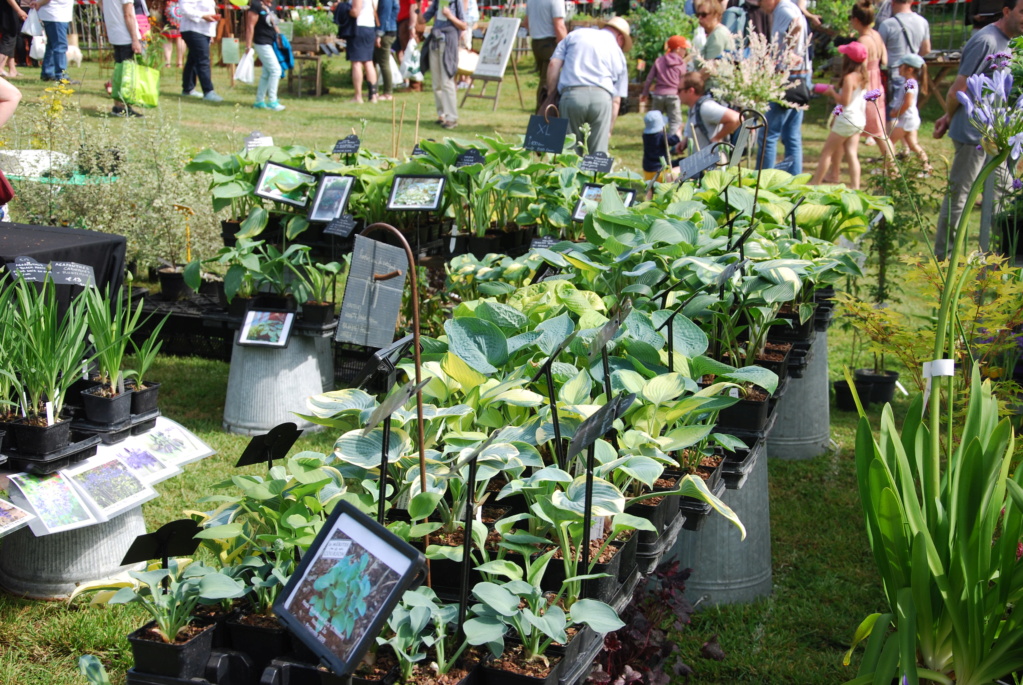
(854,51)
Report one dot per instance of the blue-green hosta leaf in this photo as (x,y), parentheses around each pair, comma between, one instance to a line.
(757,375)
(702,366)
(627,380)
(508,319)
(330,404)
(600,617)
(495,288)
(549,474)
(685,209)
(640,269)
(553,332)
(478,343)
(552,623)
(639,327)
(517,342)
(502,567)
(607,499)
(364,451)
(689,339)
(496,598)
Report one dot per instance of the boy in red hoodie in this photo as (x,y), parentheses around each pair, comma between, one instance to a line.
(666,76)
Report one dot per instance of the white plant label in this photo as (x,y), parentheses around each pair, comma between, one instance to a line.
(49,413)
(733,392)
(596,528)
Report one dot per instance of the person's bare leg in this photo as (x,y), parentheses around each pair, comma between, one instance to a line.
(827,154)
(852,148)
(914,144)
(181,52)
(835,170)
(168,51)
(357,80)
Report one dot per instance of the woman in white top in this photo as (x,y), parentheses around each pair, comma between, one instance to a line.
(850,115)
(198,26)
(55,15)
(360,47)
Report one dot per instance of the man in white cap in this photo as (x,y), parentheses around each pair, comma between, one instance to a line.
(588,69)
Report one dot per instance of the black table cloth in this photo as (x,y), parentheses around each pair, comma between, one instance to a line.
(104,252)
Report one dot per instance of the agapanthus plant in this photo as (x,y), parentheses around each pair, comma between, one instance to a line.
(987,104)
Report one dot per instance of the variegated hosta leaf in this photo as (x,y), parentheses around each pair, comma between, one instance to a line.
(607,499)
(330,404)
(365,451)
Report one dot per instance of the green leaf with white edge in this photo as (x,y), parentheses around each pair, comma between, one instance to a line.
(664,388)
(520,397)
(694,486)
(607,499)
(685,436)
(627,381)
(444,552)
(502,567)
(330,404)
(364,451)
(479,343)
(757,375)
(643,469)
(227,531)
(632,522)
(497,598)
(551,474)
(423,505)
(600,617)
(577,390)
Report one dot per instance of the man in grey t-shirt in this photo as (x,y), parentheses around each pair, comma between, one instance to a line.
(969,160)
(903,33)
(545,20)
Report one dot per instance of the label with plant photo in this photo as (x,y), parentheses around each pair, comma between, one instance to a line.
(12,517)
(109,486)
(174,444)
(55,502)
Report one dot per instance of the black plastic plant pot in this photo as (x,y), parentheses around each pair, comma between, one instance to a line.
(106,410)
(261,644)
(239,306)
(882,385)
(628,554)
(660,514)
(496,676)
(172,284)
(182,660)
(318,314)
(480,247)
(844,397)
(73,396)
(794,330)
(602,589)
(7,438)
(42,440)
(745,415)
(145,400)
(271,301)
(458,244)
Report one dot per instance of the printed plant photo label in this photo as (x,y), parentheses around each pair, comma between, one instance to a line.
(54,501)
(109,486)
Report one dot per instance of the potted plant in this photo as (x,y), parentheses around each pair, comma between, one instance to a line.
(244,265)
(172,644)
(256,631)
(317,281)
(53,353)
(145,397)
(111,325)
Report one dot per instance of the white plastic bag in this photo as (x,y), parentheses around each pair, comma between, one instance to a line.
(410,70)
(32,26)
(396,76)
(38,48)
(246,69)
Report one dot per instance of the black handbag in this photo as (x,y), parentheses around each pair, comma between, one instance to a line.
(798,92)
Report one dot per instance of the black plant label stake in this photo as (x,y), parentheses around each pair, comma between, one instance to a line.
(552,399)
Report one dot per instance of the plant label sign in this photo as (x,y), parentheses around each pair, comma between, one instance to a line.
(610,329)
(741,142)
(470,157)
(29,269)
(598,424)
(265,449)
(545,134)
(418,151)
(596,163)
(348,145)
(342,226)
(543,242)
(372,300)
(697,163)
(393,403)
(174,539)
(346,586)
(71,273)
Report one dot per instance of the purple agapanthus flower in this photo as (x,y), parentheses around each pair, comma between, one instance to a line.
(872,95)
(911,84)
(837,111)
(1017,184)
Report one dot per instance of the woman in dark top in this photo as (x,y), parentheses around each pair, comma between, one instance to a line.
(11,19)
(260,35)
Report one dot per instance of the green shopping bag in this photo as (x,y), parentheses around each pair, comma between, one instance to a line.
(137,85)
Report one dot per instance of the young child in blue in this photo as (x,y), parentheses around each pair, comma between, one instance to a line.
(657,144)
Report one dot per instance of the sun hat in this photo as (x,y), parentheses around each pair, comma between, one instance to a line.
(915,61)
(622,27)
(854,51)
(653,122)
(676,42)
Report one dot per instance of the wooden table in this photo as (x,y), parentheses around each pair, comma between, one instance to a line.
(307,49)
(938,70)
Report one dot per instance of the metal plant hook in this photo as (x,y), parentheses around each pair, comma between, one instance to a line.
(547,111)
(763,124)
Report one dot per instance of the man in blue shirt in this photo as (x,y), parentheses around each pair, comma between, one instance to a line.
(588,69)
(789,31)
(969,156)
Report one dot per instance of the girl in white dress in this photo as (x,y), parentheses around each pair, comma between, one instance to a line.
(907,115)
(850,114)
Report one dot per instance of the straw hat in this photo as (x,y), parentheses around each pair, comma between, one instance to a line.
(622,27)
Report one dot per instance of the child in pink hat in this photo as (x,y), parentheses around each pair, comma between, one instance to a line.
(850,114)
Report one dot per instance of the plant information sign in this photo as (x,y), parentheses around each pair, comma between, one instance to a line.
(372,300)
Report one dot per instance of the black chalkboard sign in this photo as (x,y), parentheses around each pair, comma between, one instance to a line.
(393,403)
(598,424)
(342,226)
(730,270)
(545,134)
(29,269)
(598,162)
(741,141)
(174,539)
(697,163)
(72,273)
(418,151)
(610,329)
(267,448)
(544,241)
(470,157)
(372,300)
(348,145)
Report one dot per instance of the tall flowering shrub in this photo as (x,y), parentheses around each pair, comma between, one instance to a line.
(753,76)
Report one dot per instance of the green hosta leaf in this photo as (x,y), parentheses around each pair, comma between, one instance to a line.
(664,388)
(423,505)
(607,499)
(364,451)
(503,567)
(630,522)
(643,469)
(686,436)
(504,317)
(598,616)
(254,223)
(577,390)
(463,374)
(228,531)
(689,339)
(495,288)
(629,381)
(478,343)
(757,375)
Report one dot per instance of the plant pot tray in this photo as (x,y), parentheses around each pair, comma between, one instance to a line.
(649,556)
(626,591)
(738,465)
(51,463)
(822,318)
(114,433)
(742,434)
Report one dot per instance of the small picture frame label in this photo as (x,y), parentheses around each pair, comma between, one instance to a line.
(596,163)
(544,242)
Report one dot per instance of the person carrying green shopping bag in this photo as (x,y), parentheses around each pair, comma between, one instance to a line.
(123,33)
